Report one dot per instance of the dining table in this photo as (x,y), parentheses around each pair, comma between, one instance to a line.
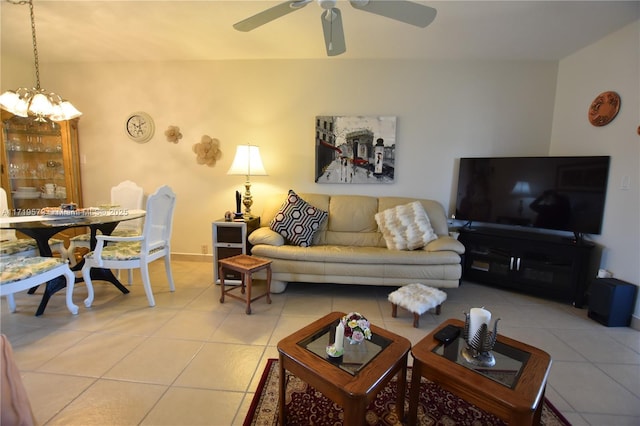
(42,227)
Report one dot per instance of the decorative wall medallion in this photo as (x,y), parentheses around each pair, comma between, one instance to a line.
(173,134)
(604,108)
(207,151)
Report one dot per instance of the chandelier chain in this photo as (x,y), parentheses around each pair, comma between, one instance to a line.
(33,36)
(35,44)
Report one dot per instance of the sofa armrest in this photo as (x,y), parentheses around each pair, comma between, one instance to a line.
(264,235)
(444,243)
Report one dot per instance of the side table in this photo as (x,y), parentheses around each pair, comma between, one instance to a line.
(246,266)
(230,239)
(513,389)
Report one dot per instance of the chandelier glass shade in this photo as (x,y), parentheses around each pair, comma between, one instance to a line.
(37,102)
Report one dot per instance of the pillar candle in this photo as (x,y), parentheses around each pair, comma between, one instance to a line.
(477,317)
(338,345)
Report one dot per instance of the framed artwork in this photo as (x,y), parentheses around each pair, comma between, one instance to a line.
(355,149)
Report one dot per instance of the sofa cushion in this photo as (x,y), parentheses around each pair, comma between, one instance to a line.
(434,209)
(352,213)
(405,227)
(352,255)
(297,221)
(264,235)
(445,243)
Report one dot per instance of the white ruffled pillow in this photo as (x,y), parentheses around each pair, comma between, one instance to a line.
(405,227)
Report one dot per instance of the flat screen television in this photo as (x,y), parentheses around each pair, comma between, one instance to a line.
(558,193)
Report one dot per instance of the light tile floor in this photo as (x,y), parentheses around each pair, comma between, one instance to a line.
(193,361)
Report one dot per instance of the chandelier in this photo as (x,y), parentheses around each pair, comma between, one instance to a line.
(37,102)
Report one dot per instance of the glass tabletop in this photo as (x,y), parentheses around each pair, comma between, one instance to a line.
(509,365)
(355,357)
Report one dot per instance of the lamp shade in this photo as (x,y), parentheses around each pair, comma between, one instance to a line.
(247,162)
(521,188)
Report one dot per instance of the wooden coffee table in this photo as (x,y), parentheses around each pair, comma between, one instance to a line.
(351,384)
(513,389)
(246,265)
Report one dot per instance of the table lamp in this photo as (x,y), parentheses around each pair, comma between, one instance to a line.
(247,162)
(521,189)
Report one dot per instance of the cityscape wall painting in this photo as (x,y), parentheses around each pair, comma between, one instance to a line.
(355,149)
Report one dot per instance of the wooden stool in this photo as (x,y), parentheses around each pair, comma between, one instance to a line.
(418,299)
(245,265)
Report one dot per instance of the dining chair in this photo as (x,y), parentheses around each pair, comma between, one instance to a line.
(126,195)
(19,274)
(116,252)
(12,247)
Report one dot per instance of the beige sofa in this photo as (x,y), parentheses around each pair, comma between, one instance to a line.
(348,248)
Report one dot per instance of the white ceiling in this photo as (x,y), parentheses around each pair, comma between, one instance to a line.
(145,30)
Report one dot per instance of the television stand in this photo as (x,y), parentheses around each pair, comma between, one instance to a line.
(544,265)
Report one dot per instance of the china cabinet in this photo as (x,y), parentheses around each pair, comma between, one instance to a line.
(40,164)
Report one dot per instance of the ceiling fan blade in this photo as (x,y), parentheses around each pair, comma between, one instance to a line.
(270,14)
(333,32)
(400,10)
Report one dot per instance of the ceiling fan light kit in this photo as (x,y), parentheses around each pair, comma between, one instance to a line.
(405,11)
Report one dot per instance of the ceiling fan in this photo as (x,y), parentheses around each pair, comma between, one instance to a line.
(400,10)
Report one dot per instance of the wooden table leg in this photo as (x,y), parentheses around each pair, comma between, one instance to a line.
(249,280)
(355,411)
(269,284)
(221,275)
(414,393)
(402,388)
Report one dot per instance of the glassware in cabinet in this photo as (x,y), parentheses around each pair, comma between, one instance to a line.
(40,163)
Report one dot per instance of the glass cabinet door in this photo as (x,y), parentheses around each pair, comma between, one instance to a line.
(40,164)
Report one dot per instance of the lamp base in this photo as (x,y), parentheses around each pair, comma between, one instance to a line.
(479,359)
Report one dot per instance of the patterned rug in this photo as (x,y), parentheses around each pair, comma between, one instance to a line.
(306,406)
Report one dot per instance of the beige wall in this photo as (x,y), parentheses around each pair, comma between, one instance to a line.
(612,63)
(444,110)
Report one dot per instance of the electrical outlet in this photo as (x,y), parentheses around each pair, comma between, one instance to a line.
(625,183)
(205,249)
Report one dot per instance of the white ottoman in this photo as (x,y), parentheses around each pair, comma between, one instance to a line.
(416,298)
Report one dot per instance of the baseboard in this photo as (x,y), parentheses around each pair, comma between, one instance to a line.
(192,257)
(635,322)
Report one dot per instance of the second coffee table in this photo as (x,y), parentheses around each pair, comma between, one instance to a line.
(513,389)
(353,383)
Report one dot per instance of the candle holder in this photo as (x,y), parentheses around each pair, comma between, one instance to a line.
(478,348)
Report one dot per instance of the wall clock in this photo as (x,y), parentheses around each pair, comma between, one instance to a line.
(604,108)
(139,127)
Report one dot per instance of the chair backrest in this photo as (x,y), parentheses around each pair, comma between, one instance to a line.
(128,195)
(158,222)
(5,234)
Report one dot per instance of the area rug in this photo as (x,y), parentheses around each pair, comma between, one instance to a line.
(306,406)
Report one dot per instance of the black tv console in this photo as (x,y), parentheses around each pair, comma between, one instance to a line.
(544,265)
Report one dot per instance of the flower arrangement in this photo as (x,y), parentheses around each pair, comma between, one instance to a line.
(356,327)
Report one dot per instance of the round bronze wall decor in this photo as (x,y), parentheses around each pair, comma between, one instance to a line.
(604,108)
